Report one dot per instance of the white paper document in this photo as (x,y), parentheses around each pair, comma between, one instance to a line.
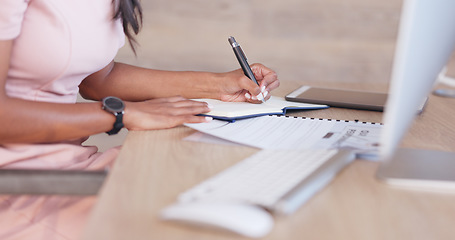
(273,132)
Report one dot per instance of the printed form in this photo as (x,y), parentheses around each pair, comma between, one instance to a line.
(274,132)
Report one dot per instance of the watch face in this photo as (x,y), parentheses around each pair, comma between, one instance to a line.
(113,104)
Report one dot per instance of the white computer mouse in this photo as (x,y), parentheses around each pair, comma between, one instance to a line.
(243,219)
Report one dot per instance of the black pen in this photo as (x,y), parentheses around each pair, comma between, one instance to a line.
(244,63)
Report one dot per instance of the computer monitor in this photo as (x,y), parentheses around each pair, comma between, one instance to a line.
(426,40)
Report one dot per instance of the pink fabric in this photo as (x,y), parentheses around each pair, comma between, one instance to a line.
(57,43)
(49,217)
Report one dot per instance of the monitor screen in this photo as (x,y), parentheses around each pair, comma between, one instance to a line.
(425,43)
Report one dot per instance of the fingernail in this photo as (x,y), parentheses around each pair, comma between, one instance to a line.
(208,119)
(262,88)
(260,97)
(247,96)
(210,106)
(265,93)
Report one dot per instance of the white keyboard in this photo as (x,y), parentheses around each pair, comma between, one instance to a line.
(278,180)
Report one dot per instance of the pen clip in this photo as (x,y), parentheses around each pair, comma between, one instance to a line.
(243,54)
(235,44)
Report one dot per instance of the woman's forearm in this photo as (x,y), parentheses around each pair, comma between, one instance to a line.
(30,122)
(138,84)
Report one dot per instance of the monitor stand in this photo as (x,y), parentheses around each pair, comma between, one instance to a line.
(419,169)
(445,92)
(446,80)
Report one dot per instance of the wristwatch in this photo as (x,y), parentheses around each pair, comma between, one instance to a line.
(115,106)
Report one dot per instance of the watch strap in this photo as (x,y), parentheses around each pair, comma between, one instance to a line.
(118,124)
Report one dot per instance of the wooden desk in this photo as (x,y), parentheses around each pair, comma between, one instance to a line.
(155,166)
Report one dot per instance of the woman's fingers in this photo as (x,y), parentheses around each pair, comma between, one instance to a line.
(164,113)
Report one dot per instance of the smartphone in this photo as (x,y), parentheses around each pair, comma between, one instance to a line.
(339,98)
(51,182)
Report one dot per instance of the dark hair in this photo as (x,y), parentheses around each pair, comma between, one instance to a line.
(130,11)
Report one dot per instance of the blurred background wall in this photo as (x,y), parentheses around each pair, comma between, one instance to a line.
(303,40)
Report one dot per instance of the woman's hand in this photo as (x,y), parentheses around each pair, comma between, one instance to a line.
(163,113)
(239,88)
